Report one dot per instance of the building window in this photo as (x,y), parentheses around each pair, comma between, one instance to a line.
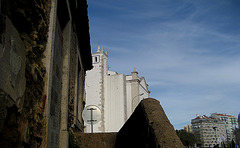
(96,59)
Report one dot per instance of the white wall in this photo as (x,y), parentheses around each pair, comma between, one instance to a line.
(143,88)
(94,87)
(129,99)
(112,93)
(115,95)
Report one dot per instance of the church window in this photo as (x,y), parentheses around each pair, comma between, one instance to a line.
(96,59)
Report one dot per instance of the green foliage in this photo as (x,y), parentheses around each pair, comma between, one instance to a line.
(188,139)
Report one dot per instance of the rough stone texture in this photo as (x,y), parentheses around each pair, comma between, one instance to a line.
(56,87)
(96,140)
(12,62)
(31,69)
(9,116)
(23,123)
(148,127)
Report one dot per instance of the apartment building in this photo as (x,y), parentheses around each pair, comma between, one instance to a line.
(188,128)
(231,124)
(208,131)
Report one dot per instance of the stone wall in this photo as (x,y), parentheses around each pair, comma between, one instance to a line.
(72,80)
(12,62)
(96,140)
(31,70)
(147,127)
(23,36)
(54,101)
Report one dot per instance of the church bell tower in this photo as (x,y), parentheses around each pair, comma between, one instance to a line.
(94,85)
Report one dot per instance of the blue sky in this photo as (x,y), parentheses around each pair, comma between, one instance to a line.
(188,51)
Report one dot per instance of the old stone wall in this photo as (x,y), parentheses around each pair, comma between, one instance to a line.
(147,127)
(31,70)
(96,140)
(12,62)
(23,35)
(72,80)
(55,88)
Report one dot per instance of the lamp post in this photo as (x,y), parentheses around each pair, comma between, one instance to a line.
(135,98)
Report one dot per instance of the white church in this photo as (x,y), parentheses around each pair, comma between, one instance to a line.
(116,95)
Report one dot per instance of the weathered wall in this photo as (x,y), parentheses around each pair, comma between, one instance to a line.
(72,80)
(96,140)
(76,96)
(12,62)
(22,38)
(31,70)
(148,127)
(55,91)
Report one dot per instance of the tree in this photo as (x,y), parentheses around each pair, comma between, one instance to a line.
(188,139)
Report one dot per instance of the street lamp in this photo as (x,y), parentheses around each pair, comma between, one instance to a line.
(135,98)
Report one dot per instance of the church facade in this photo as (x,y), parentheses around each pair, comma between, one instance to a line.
(115,94)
